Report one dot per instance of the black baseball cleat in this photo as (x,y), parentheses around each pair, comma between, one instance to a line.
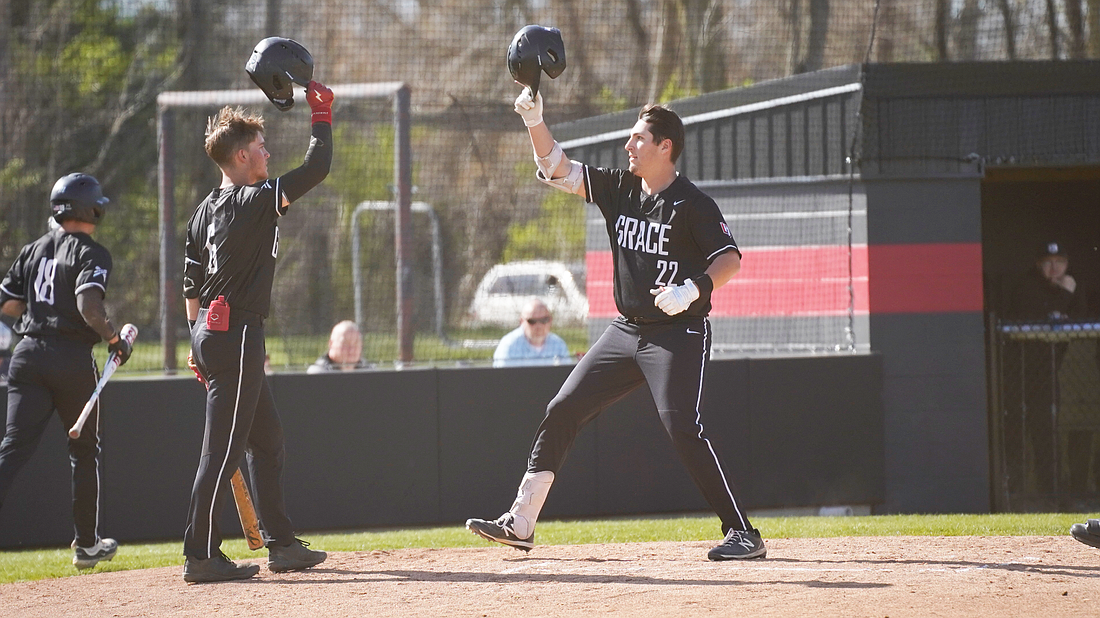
(500,531)
(217,568)
(88,557)
(1088,532)
(293,557)
(739,545)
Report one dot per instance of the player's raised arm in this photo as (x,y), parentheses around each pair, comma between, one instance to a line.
(536,50)
(298,181)
(554,168)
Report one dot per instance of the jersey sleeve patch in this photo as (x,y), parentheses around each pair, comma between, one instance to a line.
(94,270)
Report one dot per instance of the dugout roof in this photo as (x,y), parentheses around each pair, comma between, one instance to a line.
(899,119)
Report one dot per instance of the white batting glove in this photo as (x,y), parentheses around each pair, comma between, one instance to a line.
(675,299)
(529,108)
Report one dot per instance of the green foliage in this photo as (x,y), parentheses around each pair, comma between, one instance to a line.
(607,101)
(97,65)
(674,91)
(362,164)
(15,176)
(46,563)
(558,232)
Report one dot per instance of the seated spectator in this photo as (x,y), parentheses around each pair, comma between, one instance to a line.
(532,343)
(345,349)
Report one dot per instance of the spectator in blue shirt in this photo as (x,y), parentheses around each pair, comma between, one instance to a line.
(532,343)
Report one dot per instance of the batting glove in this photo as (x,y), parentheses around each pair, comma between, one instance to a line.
(529,108)
(122,348)
(195,368)
(675,299)
(320,101)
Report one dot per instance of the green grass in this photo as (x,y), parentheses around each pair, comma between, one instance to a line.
(48,563)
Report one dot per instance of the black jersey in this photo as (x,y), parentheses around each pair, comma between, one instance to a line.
(656,240)
(233,235)
(232,243)
(47,275)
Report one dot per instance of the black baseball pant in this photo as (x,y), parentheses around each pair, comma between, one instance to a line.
(49,373)
(240,418)
(671,358)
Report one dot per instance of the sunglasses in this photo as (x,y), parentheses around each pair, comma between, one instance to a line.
(533,321)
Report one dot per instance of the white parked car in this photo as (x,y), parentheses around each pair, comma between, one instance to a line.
(503,290)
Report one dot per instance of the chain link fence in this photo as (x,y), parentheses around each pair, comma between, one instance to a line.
(81,80)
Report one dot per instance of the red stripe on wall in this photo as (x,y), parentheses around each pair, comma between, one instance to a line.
(813,281)
(776,281)
(926,278)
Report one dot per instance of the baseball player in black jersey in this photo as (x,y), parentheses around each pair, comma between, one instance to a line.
(56,288)
(671,249)
(232,244)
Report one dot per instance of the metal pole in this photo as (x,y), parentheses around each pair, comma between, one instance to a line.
(437,270)
(402,171)
(356,277)
(170,297)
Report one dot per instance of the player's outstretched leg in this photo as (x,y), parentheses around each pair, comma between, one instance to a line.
(88,557)
(739,545)
(516,528)
(293,557)
(1088,532)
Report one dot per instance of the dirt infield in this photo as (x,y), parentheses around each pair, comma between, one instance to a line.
(854,576)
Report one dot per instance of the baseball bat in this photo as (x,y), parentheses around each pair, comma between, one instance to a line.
(247,512)
(129,332)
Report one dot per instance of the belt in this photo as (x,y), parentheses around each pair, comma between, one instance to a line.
(645,321)
(236,316)
(640,321)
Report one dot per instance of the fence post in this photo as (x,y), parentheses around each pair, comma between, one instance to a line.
(402,171)
(169,295)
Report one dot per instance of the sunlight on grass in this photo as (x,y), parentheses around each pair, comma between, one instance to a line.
(57,562)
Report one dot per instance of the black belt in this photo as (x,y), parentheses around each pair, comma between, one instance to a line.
(645,321)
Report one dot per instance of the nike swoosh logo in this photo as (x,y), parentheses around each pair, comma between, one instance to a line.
(694,332)
(678,202)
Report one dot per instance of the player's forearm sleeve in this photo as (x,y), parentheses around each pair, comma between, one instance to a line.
(90,304)
(298,181)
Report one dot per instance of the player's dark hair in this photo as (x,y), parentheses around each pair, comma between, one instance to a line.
(664,124)
(232,129)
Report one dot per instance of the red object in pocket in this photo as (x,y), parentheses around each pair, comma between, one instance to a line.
(217,317)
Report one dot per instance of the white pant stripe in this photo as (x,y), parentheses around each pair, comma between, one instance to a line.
(699,422)
(228,448)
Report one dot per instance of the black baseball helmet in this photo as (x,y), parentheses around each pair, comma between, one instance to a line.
(275,64)
(79,197)
(535,49)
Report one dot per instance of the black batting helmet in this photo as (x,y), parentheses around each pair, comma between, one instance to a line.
(535,49)
(79,197)
(275,64)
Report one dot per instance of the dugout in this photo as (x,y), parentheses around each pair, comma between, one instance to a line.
(908,251)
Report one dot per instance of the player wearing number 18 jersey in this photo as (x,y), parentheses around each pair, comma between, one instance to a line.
(232,245)
(671,248)
(56,288)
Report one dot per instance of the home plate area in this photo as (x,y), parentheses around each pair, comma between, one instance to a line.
(847,576)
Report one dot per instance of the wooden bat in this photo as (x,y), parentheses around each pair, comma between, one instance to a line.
(249,523)
(129,332)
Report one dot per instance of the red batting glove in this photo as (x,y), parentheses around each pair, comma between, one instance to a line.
(320,101)
(195,368)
